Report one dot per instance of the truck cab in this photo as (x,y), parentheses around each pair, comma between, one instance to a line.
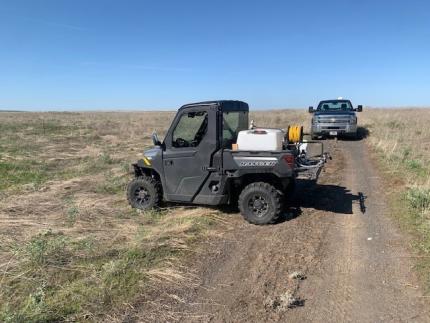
(192,150)
(334,118)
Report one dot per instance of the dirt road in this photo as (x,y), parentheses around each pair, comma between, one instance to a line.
(327,261)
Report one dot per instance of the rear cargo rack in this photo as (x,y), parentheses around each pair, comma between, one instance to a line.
(309,168)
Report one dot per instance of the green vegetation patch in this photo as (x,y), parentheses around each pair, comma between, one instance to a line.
(39,126)
(58,277)
(419,199)
(411,206)
(112,184)
(29,147)
(22,172)
(28,171)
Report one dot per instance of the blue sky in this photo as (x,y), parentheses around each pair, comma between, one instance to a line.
(101,54)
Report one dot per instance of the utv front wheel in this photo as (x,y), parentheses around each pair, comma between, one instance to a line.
(260,203)
(144,193)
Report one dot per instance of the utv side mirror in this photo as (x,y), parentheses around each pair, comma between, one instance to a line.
(311,109)
(359,108)
(155,139)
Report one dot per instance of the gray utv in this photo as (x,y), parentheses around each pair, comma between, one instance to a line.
(197,163)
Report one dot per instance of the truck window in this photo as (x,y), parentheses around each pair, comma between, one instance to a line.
(335,105)
(233,122)
(190,130)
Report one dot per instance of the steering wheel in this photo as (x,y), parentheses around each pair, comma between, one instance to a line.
(181,142)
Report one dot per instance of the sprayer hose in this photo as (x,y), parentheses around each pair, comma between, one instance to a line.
(295,134)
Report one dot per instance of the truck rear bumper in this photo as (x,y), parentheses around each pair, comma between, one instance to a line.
(333,129)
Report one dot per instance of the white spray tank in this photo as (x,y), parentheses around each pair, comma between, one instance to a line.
(268,139)
(260,139)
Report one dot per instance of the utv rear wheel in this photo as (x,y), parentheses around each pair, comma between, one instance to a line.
(143,193)
(260,203)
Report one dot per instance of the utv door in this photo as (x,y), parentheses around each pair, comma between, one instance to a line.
(190,144)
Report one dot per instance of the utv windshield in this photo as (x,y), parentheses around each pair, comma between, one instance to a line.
(233,122)
(335,105)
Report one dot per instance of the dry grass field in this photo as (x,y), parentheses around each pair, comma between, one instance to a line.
(401,140)
(401,137)
(70,246)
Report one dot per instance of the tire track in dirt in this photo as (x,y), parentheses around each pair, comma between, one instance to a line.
(324,236)
(363,277)
(329,288)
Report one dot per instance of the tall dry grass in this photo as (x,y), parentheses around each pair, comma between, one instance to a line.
(403,137)
(401,140)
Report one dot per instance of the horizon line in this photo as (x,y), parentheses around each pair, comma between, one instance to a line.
(176,108)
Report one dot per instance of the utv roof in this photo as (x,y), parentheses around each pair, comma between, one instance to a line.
(225,105)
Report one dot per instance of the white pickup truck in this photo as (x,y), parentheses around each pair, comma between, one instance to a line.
(334,118)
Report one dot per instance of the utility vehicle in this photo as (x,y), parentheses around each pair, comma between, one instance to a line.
(334,118)
(200,162)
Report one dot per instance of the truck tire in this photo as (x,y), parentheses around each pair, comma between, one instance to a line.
(144,193)
(260,203)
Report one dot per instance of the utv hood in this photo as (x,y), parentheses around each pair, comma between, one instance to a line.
(152,152)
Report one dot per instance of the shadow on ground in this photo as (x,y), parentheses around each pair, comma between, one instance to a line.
(309,195)
(322,197)
(362,133)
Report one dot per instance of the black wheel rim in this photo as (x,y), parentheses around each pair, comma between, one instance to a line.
(258,205)
(142,196)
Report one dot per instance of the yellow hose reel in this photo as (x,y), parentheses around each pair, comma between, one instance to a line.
(295,134)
